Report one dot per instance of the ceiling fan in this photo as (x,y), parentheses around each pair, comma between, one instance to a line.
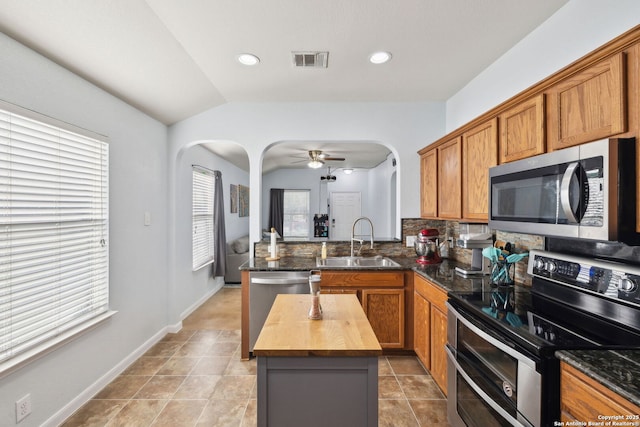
(317,158)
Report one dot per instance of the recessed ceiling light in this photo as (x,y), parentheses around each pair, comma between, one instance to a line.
(379,57)
(248,59)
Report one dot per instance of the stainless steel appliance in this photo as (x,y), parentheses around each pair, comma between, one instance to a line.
(426,246)
(263,288)
(501,341)
(479,264)
(587,191)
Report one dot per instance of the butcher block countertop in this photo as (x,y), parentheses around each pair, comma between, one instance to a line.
(343,331)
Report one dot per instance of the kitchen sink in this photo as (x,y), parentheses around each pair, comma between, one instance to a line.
(356,262)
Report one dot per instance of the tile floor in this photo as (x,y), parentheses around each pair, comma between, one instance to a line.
(196,378)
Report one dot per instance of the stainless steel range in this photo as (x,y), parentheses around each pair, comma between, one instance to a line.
(501,341)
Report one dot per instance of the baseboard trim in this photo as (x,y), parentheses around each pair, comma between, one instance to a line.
(66,411)
(201,301)
(75,404)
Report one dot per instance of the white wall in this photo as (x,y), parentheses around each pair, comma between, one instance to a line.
(373,185)
(578,28)
(380,199)
(192,288)
(402,127)
(138,254)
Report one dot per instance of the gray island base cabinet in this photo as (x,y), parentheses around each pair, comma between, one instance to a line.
(317,373)
(317,391)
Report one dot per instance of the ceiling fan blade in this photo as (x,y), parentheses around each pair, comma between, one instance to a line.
(333,159)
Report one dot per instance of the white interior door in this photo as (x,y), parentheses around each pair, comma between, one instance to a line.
(345,208)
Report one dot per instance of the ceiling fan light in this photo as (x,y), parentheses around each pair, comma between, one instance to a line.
(248,59)
(347,171)
(379,57)
(315,164)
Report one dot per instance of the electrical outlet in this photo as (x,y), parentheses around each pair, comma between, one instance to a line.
(410,241)
(23,407)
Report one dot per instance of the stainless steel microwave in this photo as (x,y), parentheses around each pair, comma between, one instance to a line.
(587,191)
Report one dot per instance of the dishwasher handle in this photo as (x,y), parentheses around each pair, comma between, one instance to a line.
(278,280)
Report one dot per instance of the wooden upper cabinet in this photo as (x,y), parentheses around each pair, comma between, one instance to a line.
(429,184)
(522,130)
(479,153)
(588,106)
(450,179)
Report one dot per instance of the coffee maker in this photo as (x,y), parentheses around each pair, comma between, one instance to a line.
(475,237)
(426,246)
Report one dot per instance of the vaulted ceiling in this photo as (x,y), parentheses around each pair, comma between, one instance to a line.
(173,59)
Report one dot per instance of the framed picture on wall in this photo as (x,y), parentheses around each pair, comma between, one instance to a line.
(233,197)
(243,200)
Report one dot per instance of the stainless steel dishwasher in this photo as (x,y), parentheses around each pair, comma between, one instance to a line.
(263,288)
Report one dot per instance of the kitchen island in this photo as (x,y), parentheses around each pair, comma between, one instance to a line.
(317,372)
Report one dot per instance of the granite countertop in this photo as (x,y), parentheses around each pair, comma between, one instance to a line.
(442,274)
(289,263)
(618,370)
(445,276)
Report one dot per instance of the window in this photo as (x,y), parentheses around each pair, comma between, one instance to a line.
(54,260)
(202,217)
(296,213)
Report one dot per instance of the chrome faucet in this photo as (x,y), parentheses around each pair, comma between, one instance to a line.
(353,228)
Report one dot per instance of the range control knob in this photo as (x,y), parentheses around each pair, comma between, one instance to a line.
(550,266)
(539,264)
(627,285)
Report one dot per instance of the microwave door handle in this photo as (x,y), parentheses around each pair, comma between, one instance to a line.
(565,185)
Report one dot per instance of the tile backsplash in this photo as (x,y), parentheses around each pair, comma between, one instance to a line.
(410,227)
(398,248)
(451,229)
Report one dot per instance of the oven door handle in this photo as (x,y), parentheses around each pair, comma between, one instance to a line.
(492,340)
(500,410)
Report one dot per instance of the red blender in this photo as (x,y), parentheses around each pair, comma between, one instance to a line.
(426,246)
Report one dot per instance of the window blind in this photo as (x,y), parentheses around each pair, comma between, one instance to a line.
(54,260)
(202,217)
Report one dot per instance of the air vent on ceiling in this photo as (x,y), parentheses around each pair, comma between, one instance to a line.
(310,59)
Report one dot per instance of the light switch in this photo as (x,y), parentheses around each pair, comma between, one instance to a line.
(147,218)
(411,241)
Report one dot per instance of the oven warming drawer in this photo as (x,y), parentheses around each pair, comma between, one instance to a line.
(488,379)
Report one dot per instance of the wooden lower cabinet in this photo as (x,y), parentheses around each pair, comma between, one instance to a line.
(382,295)
(430,328)
(438,342)
(421,329)
(586,400)
(385,310)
